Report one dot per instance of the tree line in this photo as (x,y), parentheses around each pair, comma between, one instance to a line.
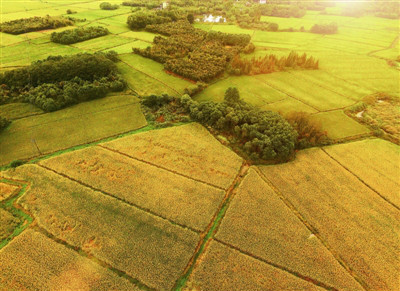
(271,63)
(78,34)
(36,23)
(58,82)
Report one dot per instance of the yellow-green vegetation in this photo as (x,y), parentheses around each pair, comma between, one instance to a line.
(43,264)
(177,198)
(381,112)
(374,161)
(18,110)
(189,150)
(146,247)
(7,190)
(358,225)
(85,122)
(8,223)
(339,126)
(223,268)
(259,223)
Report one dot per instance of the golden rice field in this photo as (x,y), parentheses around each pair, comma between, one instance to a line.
(354,221)
(259,223)
(223,268)
(7,190)
(8,222)
(189,149)
(169,195)
(374,161)
(52,266)
(145,246)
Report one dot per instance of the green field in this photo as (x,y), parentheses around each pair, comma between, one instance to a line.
(86,122)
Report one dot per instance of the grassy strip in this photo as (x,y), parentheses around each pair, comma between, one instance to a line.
(211,232)
(8,205)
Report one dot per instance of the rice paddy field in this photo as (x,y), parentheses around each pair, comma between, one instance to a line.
(96,197)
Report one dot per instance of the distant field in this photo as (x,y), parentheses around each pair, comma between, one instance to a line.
(46,265)
(374,161)
(245,273)
(247,226)
(172,196)
(189,150)
(144,246)
(343,211)
(79,124)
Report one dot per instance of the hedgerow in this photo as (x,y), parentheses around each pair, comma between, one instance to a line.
(36,23)
(78,34)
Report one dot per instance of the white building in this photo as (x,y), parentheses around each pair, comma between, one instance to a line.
(211,18)
(263,1)
(165,5)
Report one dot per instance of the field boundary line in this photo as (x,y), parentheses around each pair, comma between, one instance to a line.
(276,266)
(92,258)
(312,229)
(161,167)
(361,180)
(146,210)
(150,77)
(207,235)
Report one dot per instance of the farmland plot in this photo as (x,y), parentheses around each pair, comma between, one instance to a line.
(355,222)
(223,268)
(146,247)
(375,161)
(189,150)
(8,222)
(177,198)
(7,190)
(79,124)
(43,264)
(259,223)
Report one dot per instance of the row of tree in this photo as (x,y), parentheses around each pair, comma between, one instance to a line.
(36,23)
(57,82)
(330,28)
(108,6)
(271,63)
(78,34)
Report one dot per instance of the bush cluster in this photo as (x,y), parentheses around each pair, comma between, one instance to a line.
(57,82)
(281,10)
(140,19)
(142,3)
(78,34)
(36,23)
(4,122)
(330,28)
(108,6)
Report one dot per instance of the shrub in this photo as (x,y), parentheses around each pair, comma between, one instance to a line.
(4,122)
(309,131)
(69,11)
(190,18)
(16,163)
(108,6)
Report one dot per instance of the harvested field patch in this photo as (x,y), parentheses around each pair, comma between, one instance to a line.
(8,223)
(223,268)
(78,124)
(258,222)
(357,224)
(177,198)
(146,247)
(189,150)
(7,190)
(375,161)
(43,264)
